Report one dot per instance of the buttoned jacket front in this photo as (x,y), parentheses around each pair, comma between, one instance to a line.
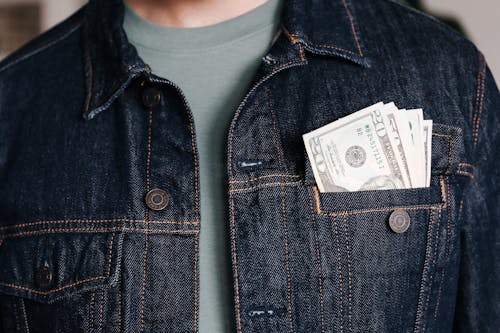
(87,131)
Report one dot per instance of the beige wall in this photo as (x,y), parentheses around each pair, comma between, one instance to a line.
(481,20)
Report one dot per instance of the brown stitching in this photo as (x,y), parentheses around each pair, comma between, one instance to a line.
(341,281)
(101,316)
(96,230)
(351,20)
(318,257)
(379,210)
(441,135)
(349,280)
(175,222)
(447,250)
(292,37)
(146,236)
(318,202)
(478,89)
(425,271)
(435,253)
(295,41)
(131,67)
(92,310)
(107,275)
(338,48)
(283,210)
(302,54)
(266,185)
(431,275)
(120,285)
(465,173)
(235,266)
(110,253)
(263,177)
(195,279)
(416,207)
(467,165)
(10,285)
(479,102)
(444,193)
(17,226)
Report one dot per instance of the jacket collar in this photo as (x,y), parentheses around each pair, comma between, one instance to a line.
(326,27)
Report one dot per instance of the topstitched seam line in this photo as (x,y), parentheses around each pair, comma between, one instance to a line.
(82,221)
(264,177)
(146,234)
(341,279)
(479,104)
(353,29)
(318,259)
(283,210)
(101,277)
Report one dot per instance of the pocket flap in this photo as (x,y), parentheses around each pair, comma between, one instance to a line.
(447,152)
(47,267)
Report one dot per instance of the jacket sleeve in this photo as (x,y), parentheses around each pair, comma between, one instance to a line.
(478,294)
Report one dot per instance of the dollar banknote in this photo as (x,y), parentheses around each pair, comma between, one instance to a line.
(380,147)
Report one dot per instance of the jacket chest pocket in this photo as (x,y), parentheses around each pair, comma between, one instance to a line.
(379,251)
(56,281)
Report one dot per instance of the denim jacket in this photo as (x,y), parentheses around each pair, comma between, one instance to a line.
(99,188)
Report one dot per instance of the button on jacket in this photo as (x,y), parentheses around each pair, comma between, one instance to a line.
(99,192)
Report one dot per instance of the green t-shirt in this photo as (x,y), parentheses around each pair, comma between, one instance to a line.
(213,65)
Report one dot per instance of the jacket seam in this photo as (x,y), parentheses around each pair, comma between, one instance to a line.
(263,177)
(279,151)
(441,205)
(447,250)
(341,278)
(318,259)
(421,307)
(349,278)
(97,230)
(195,284)
(479,102)
(83,221)
(146,235)
(94,278)
(353,29)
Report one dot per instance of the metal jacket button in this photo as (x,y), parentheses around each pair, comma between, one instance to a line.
(399,221)
(151,97)
(157,199)
(43,277)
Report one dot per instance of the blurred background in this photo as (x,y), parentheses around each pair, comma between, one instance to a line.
(479,20)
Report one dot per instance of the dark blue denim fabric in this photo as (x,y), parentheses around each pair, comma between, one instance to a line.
(80,251)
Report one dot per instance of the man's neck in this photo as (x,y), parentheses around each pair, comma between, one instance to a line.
(191,13)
